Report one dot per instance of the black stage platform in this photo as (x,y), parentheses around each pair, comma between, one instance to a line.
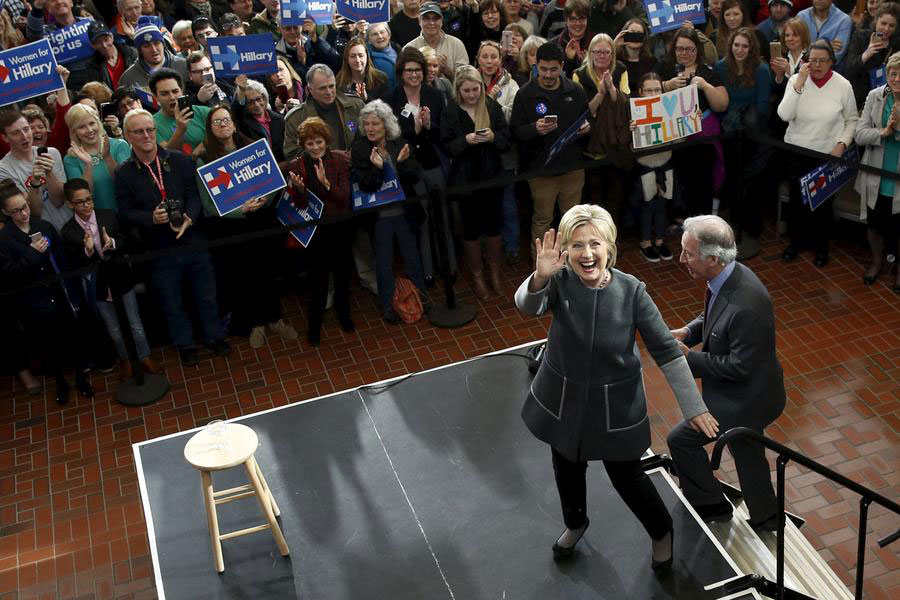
(429,489)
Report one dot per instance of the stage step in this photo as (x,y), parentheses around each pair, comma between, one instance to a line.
(804,570)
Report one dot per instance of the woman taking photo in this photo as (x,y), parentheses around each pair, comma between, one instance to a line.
(325,174)
(820,111)
(284,86)
(357,76)
(486,22)
(869,51)
(587,400)
(637,56)
(475,132)
(794,42)
(245,272)
(93,156)
(381,147)
(878,130)
(510,51)
(686,66)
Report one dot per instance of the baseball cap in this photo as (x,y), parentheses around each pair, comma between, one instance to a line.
(788,2)
(428,7)
(96,29)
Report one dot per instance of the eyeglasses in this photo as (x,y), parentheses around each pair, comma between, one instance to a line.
(88,200)
(412,71)
(601,52)
(147,131)
(819,61)
(15,211)
(686,49)
(222,121)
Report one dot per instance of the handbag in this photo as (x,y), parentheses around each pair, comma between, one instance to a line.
(406,301)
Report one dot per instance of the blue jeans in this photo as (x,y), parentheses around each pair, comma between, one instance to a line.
(385,230)
(168,277)
(107,312)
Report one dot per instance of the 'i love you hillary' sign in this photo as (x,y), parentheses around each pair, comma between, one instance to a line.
(665,118)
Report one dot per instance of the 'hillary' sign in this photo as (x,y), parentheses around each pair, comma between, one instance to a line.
(665,15)
(320,11)
(827,179)
(289,214)
(666,118)
(243,55)
(247,173)
(389,192)
(28,71)
(293,12)
(371,11)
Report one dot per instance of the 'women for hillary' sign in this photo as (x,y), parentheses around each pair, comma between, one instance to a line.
(247,173)
(28,71)
(666,118)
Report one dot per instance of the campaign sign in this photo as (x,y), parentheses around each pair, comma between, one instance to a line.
(243,55)
(320,11)
(666,118)
(146,98)
(246,173)
(289,214)
(824,181)
(567,137)
(389,192)
(71,43)
(371,11)
(877,77)
(28,71)
(293,12)
(665,15)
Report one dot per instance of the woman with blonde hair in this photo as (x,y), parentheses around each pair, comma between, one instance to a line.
(93,155)
(475,132)
(433,75)
(285,87)
(358,76)
(587,399)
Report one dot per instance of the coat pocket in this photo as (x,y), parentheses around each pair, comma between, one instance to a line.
(626,406)
(549,390)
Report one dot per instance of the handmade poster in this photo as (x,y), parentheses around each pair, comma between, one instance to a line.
(665,15)
(243,55)
(371,11)
(289,214)
(28,71)
(665,118)
(246,173)
(390,191)
(567,137)
(71,43)
(827,179)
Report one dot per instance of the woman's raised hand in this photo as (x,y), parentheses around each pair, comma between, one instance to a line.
(549,258)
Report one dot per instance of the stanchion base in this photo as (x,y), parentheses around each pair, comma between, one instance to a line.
(130,393)
(441,315)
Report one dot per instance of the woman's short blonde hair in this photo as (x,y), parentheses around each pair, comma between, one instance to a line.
(78,114)
(893,62)
(597,217)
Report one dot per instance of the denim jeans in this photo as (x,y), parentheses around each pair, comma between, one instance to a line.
(168,276)
(107,312)
(385,230)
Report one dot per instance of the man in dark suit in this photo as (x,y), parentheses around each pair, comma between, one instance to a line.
(743,384)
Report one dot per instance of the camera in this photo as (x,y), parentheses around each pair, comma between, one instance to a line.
(633,36)
(175,211)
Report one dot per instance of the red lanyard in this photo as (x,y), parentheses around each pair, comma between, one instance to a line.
(158,178)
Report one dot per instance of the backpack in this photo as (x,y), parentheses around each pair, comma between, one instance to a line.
(406,301)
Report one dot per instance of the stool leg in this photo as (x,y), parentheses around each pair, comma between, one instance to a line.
(265,485)
(212,520)
(266,507)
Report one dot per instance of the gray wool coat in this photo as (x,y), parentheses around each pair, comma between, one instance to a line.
(587,400)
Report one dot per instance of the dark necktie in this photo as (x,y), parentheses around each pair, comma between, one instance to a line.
(706,300)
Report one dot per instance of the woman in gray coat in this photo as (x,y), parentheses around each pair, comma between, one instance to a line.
(587,400)
(878,131)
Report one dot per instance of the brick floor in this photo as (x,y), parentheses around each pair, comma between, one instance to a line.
(71,522)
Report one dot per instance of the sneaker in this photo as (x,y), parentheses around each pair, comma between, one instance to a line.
(219,347)
(257,337)
(650,254)
(283,329)
(663,251)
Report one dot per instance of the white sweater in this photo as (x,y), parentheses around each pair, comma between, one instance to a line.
(819,117)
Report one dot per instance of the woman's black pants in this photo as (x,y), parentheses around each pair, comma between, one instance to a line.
(628,479)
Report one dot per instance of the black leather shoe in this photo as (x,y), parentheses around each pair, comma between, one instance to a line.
(714,513)
(561,553)
(658,565)
(62,392)
(314,337)
(821,259)
(84,386)
(347,324)
(219,347)
(770,524)
(790,253)
(869,279)
(188,356)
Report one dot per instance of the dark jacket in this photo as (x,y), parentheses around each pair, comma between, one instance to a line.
(337,171)
(249,126)
(318,52)
(120,277)
(456,21)
(858,72)
(96,68)
(227,89)
(370,178)
(567,102)
(603,19)
(474,162)
(562,40)
(138,196)
(477,33)
(426,143)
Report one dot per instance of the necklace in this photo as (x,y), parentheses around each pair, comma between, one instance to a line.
(604,281)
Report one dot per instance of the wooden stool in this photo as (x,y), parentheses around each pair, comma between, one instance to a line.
(238,444)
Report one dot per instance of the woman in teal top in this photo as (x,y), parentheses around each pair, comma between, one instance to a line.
(93,156)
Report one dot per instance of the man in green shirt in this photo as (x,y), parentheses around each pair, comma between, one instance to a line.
(176,129)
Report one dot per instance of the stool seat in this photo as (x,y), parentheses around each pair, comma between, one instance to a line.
(234,447)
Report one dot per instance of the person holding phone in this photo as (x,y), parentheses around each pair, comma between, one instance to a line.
(475,132)
(203,88)
(93,156)
(634,49)
(179,124)
(285,87)
(870,49)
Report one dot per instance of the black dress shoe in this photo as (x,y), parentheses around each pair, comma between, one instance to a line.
(821,259)
(714,513)
(62,392)
(188,356)
(659,565)
(790,253)
(869,279)
(84,386)
(347,324)
(561,553)
(770,524)
(314,337)
(219,347)
(429,281)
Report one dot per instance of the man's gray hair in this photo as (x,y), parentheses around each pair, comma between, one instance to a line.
(316,69)
(260,89)
(131,114)
(179,27)
(373,26)
(715,236)
(381,110)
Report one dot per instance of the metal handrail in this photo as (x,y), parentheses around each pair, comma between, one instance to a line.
(785,455)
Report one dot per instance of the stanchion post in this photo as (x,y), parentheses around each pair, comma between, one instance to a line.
(451,313)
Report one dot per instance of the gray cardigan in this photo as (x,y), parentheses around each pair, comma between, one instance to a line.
(587,400)
(868,135)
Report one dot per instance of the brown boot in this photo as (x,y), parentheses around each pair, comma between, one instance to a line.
(494,261)
(150,366)
(472,251)
(125,370)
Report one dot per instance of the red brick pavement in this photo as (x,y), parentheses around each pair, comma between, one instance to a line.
(71,522)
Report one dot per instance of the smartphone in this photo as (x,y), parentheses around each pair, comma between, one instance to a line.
(107,109)
(550,118)
(207,78)
(805,56)
(878,34)
(633,36)
(679,68)
(184,103)
(36,236)
(481,131)
(42,150)
(282,92)
(775,50)
(506,40)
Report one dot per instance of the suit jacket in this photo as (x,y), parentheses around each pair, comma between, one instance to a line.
(743,384)
(120,277)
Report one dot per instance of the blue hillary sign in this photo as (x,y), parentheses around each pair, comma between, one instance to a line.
(289,214)
(827,179)
(247,173)
(389,192)
(567,137)
(372,11)
(28,71)
(665,15)
(243,55)
(71,43)
(320,11)
(292,12)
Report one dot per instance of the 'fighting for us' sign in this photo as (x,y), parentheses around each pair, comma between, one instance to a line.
(666,118)
(28,71)
(247,173)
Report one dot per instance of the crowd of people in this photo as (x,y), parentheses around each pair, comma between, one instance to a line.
(445,93)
